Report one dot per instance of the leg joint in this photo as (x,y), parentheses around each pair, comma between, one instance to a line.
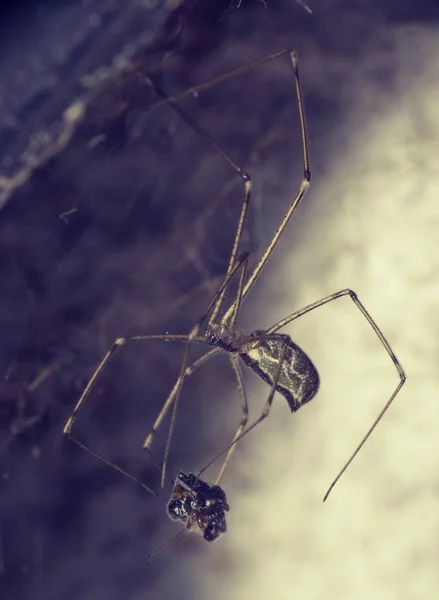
(352,294)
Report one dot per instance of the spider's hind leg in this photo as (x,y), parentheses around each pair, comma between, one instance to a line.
(283,341)
(173,398)
(118,343)
(244,418)
(402,377)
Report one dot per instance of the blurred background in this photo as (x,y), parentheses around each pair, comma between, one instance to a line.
(117,218)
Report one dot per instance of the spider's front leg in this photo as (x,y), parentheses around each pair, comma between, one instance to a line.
(185,371)
(401,374)
(244,418)
(119,342)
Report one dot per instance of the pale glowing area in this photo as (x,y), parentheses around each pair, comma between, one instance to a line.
(373,227)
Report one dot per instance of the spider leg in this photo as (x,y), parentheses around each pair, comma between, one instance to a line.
(196,89)
(402,377)
(185,116)
(267,407)
(114,346)
(71,420)
(189,370)
(193,336)
(241,388)
(240,433)
(306,181)
(238,300)
(244,418)
(237,370)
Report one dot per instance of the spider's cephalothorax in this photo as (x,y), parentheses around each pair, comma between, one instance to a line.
(298,379)
(199,506)
(225,336)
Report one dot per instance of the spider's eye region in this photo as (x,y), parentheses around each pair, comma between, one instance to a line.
(218,333)
(223,336)
(213,337)
(195,502)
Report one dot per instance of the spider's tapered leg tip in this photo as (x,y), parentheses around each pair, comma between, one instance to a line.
(68,427)
(327,493)
(148,442)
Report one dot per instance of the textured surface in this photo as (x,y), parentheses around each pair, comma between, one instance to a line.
(298,380)
(53,58)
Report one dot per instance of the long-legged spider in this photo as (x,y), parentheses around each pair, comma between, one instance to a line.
(271,355)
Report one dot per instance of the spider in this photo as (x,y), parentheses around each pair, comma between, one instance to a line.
(273,356)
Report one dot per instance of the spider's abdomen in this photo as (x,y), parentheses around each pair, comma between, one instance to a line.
(298,380)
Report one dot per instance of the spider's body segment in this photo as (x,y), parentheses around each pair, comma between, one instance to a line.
(199,506)
(225,337)
(298,379)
